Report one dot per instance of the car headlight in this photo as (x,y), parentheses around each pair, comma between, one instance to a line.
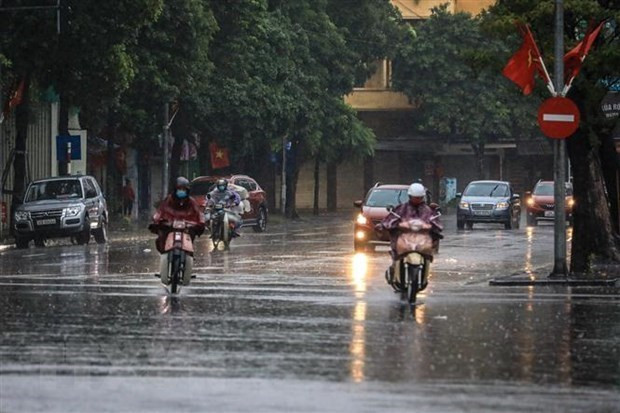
(530,201)
(22,215)
(360,235)
(464,205)
(502,205)
(73,211)
(361,219)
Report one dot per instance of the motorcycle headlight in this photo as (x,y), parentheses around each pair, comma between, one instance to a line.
(502,205)
(464,205)
(22,215)
(361,219)
(73,211)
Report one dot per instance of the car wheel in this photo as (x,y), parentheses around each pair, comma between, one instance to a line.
(531,221)
(460,224)
(22,243)
(101,233)
(39,242)
(469,225)
(261,222)
(84,237)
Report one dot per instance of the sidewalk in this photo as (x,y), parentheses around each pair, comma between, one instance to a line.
(608,275)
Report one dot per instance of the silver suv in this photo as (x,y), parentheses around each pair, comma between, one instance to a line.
(65,206)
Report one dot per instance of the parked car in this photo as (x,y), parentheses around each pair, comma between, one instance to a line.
(372,211)
(258,212)
(540,203)
(65,206)
(488,201)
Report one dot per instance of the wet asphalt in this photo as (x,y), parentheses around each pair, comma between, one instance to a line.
(294,320)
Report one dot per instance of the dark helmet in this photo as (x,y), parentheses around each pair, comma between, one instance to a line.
(181,188)
(221,184)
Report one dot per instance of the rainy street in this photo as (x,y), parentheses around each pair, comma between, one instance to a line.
(292,320)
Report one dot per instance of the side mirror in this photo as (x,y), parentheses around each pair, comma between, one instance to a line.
(357,204)
(389,207)
(528,194)
(208,196)
(459,194)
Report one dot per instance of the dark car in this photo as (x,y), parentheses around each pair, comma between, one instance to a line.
(540,203)
(372,211)
(488,202)
(256,207)
(66,206)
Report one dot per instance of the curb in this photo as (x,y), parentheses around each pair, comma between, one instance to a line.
(521,281)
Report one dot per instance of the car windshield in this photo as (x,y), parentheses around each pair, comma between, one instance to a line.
(385,197)
(547,189)
(544,190)
(57,189)
(492,189)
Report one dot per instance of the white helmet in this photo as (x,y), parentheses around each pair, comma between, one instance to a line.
(416,190)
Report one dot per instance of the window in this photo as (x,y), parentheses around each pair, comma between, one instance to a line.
(489,189)
(90,190)
(56,189)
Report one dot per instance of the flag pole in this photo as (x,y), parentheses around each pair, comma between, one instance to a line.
(542,63)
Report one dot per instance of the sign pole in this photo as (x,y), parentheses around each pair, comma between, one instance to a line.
(559,156)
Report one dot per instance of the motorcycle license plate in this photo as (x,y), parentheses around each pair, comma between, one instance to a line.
(549,213)
(46,222)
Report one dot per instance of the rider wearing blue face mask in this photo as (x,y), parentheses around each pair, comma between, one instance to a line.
(178,205)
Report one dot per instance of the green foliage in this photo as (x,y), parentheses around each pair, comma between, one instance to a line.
(451,70)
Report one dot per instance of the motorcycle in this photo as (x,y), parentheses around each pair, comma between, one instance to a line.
(178,257)
(222,224)
(408,274)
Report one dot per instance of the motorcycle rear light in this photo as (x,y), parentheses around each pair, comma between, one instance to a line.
(178,236)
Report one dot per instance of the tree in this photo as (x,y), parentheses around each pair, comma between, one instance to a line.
(448,71)
(594,161)
(87,62)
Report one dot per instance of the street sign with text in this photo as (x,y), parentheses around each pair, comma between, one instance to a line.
(558,117)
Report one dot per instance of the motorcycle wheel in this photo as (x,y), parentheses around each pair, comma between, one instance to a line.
(413,274)
(175,270)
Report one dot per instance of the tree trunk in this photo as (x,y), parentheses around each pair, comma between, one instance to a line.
(22,115)
(594,238)
(292,174)
(204,160)
(332,186)
(317,181)
(111,187)
(63,130)
(610,161)
(175,162)
(479,153)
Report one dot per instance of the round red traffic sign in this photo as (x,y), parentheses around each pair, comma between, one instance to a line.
(558,117)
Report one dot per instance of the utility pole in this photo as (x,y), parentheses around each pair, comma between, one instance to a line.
(164,174)
(559,156)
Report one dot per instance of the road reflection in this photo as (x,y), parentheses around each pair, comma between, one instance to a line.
(357,347)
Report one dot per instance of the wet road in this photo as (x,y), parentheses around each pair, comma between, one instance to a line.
(293,320)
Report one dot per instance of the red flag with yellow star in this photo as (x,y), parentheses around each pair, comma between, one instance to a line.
(219,156)
(523,65)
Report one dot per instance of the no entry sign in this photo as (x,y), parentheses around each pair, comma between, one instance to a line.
(558,117)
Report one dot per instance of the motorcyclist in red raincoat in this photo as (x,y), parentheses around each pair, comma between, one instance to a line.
(180,206)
